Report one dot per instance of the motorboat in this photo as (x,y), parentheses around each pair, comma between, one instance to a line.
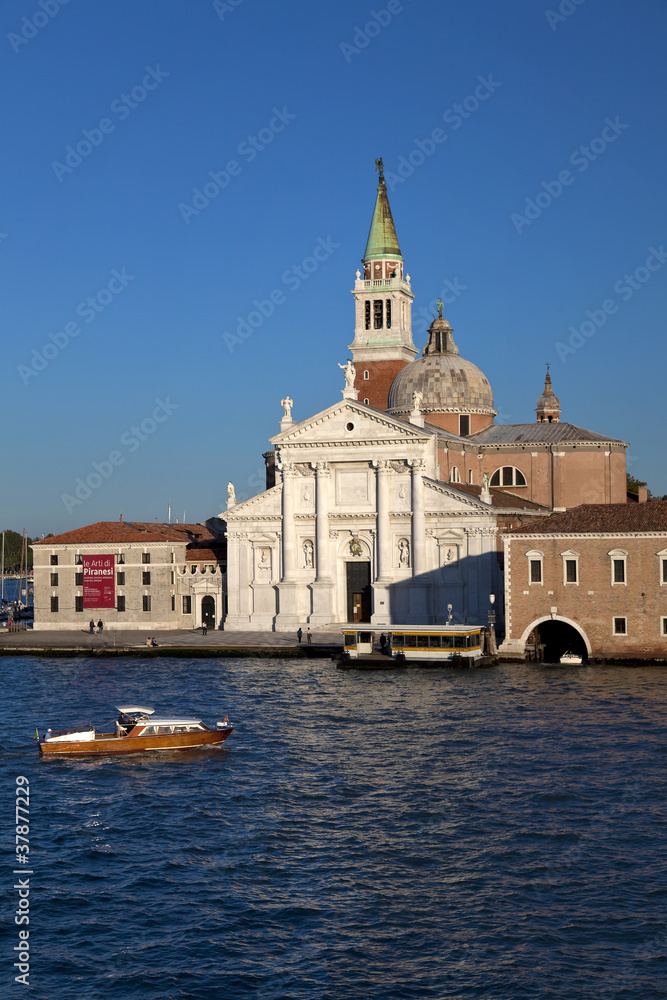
(571,660)
(137,729)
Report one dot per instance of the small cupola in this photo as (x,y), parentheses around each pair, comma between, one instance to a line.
(548,405)
(440,336)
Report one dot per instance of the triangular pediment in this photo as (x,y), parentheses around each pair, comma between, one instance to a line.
(331,426)
(266,504)
(445,498)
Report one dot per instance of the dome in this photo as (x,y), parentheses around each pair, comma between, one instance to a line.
(447,382)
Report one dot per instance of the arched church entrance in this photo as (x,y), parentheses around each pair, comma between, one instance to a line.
(208,611)
(553,637)
(358,591)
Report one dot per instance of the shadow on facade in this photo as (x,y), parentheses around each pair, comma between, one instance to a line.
(424,599)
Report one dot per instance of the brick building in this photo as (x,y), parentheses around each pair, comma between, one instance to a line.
(592,580)
(132,575)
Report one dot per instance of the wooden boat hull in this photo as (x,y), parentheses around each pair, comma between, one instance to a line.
(109,743)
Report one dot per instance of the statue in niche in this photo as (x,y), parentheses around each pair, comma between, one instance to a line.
(355,547)
(287,405)
(263,559)
(307,496)
(350,373)
(308,554)
(404,552)
(401,492)
(231,492)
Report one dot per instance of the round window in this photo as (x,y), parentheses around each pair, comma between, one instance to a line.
(349,427)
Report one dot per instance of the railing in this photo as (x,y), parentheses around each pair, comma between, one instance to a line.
(385,283)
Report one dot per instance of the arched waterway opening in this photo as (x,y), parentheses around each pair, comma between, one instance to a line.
(551,637)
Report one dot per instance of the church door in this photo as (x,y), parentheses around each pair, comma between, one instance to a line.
(359,592)
(208,611)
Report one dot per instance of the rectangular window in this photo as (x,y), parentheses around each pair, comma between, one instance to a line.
(507,475)
(145,557)
(54,604)
(620,626)
(664,626)
(388,313)
(146,579)
(173,602)
(368,314)
(664,570)
(120,559)
(78,603)
(464,425)
(536,571)
(173,578)
(120,579)
(619,570)
(377,314)
(173,557)
(187,605)
(470,476)
(146,602)
(54,579)
(78,579)
(571,571)
(54,560)
(120,602)
(78,560)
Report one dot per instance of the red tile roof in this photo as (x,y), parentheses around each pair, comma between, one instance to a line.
(605,518)
(207,555)
(500,498)
(117,532)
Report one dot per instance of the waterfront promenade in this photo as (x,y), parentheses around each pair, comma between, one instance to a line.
(178,642)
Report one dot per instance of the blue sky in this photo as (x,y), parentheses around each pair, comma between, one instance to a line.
(139,297)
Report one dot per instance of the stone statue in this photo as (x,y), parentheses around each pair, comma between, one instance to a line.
(287,405)
(350,373)
(231,493)
(440,308)
(417,399)
(379,166)
(307,553)
(485,481)
(404,552)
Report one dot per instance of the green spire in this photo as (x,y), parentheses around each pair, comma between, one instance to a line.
(382,238)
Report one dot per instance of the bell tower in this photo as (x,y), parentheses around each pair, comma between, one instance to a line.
(382,343)
(548,405)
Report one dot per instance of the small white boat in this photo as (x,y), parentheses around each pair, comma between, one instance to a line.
(571,659)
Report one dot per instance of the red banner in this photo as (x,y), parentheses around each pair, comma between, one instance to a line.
(99,582)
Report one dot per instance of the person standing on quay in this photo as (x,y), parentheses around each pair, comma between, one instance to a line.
(309,635)
(299,636)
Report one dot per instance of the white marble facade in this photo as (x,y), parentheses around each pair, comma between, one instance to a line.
(358,498)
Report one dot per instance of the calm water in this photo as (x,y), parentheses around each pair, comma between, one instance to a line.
(483,834)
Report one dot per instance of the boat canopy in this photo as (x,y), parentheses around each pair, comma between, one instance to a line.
(134,710)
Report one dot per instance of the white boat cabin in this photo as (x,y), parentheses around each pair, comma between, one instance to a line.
(414,642)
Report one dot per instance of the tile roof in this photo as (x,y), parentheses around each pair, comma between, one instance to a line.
(207,555)
(543,433)
(604,518)
(117,532)
(501,498)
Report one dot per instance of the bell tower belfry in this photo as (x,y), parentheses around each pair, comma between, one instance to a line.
(383,307)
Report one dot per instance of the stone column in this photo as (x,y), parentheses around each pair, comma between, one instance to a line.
(289,526)
(287,618)
(322,588)
(383,543)
(418,518)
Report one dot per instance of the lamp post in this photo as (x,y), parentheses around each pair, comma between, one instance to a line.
(492,650)
(449,614)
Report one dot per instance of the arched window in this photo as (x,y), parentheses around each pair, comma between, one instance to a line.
(454,475)
(508,476)
(366,401)
(367,375)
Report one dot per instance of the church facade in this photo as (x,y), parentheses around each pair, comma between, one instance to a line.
(388,506)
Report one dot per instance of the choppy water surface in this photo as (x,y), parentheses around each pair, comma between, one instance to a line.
(482,834)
